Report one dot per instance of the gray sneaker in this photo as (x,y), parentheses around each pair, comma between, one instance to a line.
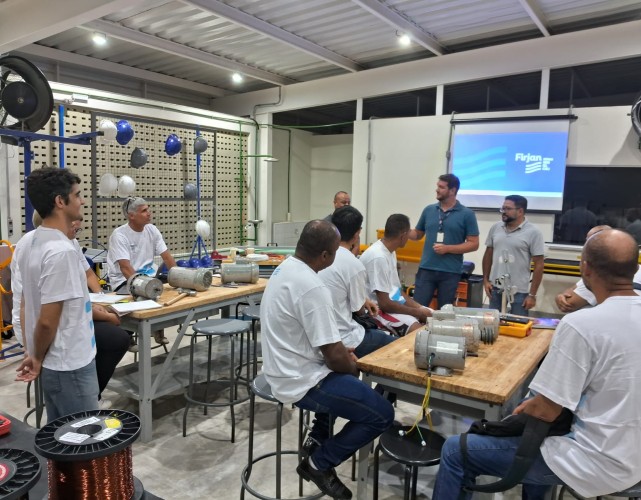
(159,337)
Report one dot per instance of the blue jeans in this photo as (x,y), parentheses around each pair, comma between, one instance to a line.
(373,340)
(427,282)
(345,396)
(492,456)
(517,305)
(69,392)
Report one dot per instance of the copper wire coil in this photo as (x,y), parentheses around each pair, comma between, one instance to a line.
(105,478)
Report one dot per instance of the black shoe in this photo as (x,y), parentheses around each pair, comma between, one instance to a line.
(309,447)
(326,480)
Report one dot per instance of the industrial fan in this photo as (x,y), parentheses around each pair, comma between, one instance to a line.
(26,101)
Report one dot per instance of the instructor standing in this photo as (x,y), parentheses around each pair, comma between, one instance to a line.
(451,230)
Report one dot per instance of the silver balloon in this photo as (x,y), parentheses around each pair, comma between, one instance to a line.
(138,158)
(200,145)
(191,191)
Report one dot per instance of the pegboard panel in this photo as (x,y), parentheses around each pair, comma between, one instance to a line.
(161,181)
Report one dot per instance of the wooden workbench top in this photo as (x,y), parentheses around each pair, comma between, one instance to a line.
(212,295)
(492,377)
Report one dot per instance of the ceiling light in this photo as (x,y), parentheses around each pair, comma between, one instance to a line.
(99,38)
(237,78)
(404,39)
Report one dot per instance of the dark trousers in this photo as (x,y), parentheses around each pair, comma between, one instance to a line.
(111,345)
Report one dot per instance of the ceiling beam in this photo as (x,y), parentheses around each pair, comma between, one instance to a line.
(153,42)
(535,12)
(568,49)
(27,21)
(397,21)
(257,25)
(120,69)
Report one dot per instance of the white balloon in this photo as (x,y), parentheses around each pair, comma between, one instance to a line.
(108,128)
(202,228)
(126,186)
(108,185)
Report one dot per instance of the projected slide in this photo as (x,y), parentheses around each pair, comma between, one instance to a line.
(493,164)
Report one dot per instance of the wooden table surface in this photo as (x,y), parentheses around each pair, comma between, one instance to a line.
(212,295)
(493,376)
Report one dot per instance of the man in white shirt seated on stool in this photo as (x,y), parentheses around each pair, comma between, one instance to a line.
(133,246)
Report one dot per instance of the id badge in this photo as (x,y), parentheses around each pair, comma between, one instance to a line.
(440,237)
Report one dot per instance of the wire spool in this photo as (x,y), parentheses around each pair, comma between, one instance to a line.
(194,279)
(488,320)
(440,353)
(246,272)
(147,287)
(19,472)
(89,455)
(468,328)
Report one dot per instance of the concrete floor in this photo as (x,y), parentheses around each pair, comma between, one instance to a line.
(206,465)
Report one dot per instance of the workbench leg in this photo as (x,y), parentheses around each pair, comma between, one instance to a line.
(144,381)
(363,469)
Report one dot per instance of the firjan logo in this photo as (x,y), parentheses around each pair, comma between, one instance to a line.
(533,163)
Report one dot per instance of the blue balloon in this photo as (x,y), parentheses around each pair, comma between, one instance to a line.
(205,261)
(124,133)
(182,263)
(194,262)
(173,145)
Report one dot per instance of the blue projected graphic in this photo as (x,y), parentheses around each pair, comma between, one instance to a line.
(514,162)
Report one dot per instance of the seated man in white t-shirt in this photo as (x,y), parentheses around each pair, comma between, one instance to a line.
(397,310)
(593,370)
(306,363)
(346,279)
(578,296)
(133,246)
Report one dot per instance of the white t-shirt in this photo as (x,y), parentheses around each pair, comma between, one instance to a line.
(297,318)
(382,271)
(346,280)
(582,291)
(593,369)
(139,248)
(50,271)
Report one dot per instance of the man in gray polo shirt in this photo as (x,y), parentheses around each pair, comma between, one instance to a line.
(511,246)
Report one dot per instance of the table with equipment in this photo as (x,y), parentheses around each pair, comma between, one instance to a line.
(481,390)
(153,377)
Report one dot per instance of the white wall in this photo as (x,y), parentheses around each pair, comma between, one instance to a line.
(408,155)
(331,171)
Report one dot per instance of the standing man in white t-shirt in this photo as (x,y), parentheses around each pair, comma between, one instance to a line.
(133,246)
(58,330)
(592,369)
(307,364)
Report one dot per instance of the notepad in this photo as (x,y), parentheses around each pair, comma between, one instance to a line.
(127,307)
(105,298)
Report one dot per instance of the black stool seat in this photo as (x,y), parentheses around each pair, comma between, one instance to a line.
(224,326)
(261,388)
(408,450)
(211,328)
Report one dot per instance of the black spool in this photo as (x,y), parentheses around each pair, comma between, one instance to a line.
(19,472)
(51,444)
(89,435)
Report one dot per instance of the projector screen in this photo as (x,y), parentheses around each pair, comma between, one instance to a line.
(496,159)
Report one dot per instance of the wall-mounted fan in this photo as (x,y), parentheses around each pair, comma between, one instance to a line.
(26,101)
(636,115)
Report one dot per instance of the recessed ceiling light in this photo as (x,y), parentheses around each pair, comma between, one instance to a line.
(99,38)
(237,78)
(404,40)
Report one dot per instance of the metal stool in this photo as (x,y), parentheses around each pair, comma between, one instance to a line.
(211,328)
(252,312)
(632,492)
(260,387)
(408,451)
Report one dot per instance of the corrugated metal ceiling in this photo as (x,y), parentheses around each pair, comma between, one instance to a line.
(276,42)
